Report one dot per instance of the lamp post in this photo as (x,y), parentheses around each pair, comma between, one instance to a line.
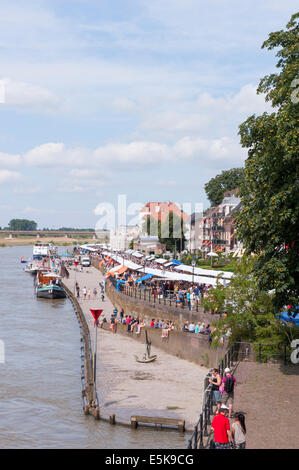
(95,313)
(182,233)
(76,264)
(193,262)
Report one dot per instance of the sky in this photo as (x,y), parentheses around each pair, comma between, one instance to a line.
(101,98)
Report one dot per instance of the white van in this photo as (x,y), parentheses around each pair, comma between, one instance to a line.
(85,261)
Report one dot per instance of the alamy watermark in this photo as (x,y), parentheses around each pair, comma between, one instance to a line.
(295,353)
(147,216)
(295,92)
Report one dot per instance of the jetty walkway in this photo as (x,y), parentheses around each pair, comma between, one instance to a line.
(169,387)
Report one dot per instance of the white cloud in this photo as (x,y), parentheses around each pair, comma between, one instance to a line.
(206,115)
(137,153)
(56,154)
(27,190)
(8,177)
(123,105)
(97,164)
(28,95)
(214,152)
(9,160)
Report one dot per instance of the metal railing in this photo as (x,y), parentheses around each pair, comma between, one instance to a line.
(201,429)
(154,297)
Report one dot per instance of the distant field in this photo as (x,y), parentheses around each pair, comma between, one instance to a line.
(59,241)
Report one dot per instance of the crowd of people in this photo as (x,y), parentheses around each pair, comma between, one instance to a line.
(183,293)
(88,294)
(135,324)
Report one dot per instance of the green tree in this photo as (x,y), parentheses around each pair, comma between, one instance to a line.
(268,221)
(22,224)
(250,311)
(226,181)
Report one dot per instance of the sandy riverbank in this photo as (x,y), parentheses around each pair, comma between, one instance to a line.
(169,387)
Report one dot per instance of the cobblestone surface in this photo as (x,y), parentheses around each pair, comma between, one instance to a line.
(268,393)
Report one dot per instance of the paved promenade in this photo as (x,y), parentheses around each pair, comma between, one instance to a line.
(169,387)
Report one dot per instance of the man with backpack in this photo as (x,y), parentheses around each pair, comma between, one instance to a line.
(228,386)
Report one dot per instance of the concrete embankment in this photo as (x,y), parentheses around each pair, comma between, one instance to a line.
(170,387)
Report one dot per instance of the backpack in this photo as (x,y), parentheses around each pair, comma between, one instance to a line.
(229,384)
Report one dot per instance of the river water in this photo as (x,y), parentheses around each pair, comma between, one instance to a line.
(40,391)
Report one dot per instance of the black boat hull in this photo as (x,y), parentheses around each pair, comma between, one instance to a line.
(51,293)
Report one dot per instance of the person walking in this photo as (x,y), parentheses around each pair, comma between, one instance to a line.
(84,293)
(78,290)
(95,294)
(228,386)
(222,433)
(216,381)
(239,431)
(121,315)
(112,323)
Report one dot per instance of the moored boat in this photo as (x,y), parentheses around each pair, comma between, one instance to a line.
(48,286)
(34,268)
(43,250)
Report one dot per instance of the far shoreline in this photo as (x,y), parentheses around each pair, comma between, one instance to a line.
(57,241)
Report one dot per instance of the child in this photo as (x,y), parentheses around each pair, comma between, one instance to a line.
(239,431)
(84,293)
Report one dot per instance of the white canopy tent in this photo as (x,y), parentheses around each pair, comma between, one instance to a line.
(204,272)
(167,275)
(137,254)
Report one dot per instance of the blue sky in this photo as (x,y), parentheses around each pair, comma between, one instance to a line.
(125,97)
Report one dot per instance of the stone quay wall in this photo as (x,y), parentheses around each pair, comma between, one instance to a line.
(190,346)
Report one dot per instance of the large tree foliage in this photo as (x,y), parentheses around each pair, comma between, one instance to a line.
(268,221)
(22,224)
(226,181)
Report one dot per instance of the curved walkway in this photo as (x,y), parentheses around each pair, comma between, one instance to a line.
(169,387)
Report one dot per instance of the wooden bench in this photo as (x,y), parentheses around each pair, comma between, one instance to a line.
(168,422)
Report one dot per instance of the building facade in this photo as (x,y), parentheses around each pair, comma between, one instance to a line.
(149,245)
(214,230)
(121,236)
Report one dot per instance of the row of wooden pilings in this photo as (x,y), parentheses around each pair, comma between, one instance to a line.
(89,393)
